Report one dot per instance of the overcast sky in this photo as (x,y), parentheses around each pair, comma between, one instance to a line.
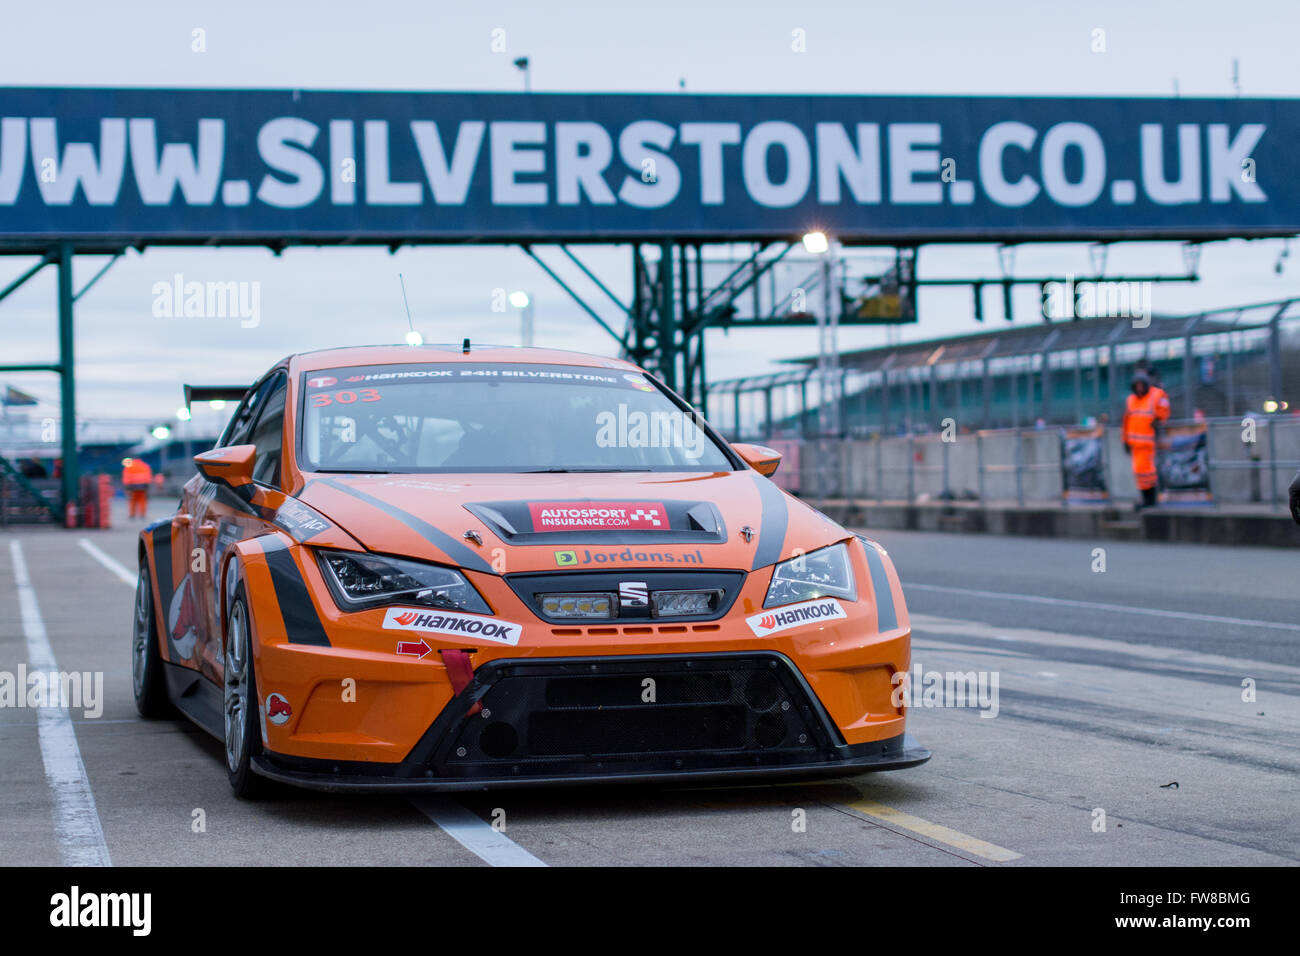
(132,364)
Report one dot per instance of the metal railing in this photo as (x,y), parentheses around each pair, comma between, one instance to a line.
(17,491)
(1225,361)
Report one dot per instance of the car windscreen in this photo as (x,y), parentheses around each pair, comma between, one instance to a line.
(501,417)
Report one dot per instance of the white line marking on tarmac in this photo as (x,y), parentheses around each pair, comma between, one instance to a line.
(116,567)
(1096,606)
(465,827)
(76,819)
(460,824)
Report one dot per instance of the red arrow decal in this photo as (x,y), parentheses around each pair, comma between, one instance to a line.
(416,649)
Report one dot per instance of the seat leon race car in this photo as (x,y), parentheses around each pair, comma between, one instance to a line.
(425,568)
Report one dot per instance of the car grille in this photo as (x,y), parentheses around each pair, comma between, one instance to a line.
(635,715)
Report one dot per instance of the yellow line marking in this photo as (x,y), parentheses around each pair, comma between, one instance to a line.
(833,794)
(934,831)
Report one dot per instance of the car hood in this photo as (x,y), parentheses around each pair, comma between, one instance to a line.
(542,522)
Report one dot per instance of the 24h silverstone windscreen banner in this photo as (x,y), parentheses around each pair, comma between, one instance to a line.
(150,165)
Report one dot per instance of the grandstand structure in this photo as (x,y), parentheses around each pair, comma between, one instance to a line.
(1217,363)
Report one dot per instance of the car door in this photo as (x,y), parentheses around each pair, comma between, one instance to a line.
(228,519)
(204,529)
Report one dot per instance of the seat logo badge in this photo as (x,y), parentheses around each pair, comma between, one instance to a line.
(633,594)
(748,532)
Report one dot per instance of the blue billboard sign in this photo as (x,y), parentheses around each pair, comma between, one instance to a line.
(149,165)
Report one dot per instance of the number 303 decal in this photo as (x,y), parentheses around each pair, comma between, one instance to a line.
(322,399)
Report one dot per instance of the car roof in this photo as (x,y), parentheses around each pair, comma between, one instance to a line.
(449,352)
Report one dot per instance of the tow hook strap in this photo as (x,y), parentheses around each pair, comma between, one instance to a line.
(460,672)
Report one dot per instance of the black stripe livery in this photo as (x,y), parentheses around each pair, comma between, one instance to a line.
(444,542)
(241,499)
(301,622)
(162,564)
(772,527)
(886,613)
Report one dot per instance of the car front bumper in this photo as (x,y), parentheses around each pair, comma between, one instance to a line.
(629,719)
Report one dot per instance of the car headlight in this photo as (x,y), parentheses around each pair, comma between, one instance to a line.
(360,581)
(825,572)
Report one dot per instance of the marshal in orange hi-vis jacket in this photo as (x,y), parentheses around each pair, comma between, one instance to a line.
(1146,407)
(450,568)
(137,477)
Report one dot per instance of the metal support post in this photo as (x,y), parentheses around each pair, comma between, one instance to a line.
(67,379)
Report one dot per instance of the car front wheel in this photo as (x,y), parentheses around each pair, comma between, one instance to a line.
(240,704)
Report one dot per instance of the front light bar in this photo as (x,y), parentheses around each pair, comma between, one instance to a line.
(685,603)
(580,605)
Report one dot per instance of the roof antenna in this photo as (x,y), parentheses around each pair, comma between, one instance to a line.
(412,337)
(464,347)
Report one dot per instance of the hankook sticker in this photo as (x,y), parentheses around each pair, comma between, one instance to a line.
(438,621)
(795,615)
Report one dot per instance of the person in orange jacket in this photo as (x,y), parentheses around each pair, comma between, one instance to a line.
(1146,408)
(137,476)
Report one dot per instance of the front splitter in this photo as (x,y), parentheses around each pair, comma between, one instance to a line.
(316,775)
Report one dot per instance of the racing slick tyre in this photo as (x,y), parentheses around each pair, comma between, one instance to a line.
(243,739)
(146,664)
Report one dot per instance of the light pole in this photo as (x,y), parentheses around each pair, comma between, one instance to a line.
(521,64)
(817,243)
(828,354)
(163,434)
(524,303)
(183,431)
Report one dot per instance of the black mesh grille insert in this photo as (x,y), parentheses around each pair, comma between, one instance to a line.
(635,714)
(622,690)
(649,730)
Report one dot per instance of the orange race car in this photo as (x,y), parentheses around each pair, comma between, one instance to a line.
(452,568)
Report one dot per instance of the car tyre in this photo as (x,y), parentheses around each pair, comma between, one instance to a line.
(147,679)
(240,704)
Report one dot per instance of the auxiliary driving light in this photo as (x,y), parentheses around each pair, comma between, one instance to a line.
(596,604)
(685,603)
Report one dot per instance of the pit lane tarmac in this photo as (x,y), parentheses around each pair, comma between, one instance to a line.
(1144,715)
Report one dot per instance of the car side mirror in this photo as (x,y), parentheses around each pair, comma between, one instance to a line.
(762,459)
(231,466)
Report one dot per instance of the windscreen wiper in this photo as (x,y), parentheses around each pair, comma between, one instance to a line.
(568,471)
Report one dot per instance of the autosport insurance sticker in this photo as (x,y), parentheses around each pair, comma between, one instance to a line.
(795,615)
(598,516)
(429,621)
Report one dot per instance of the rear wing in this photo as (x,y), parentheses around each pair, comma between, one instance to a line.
(214,393)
